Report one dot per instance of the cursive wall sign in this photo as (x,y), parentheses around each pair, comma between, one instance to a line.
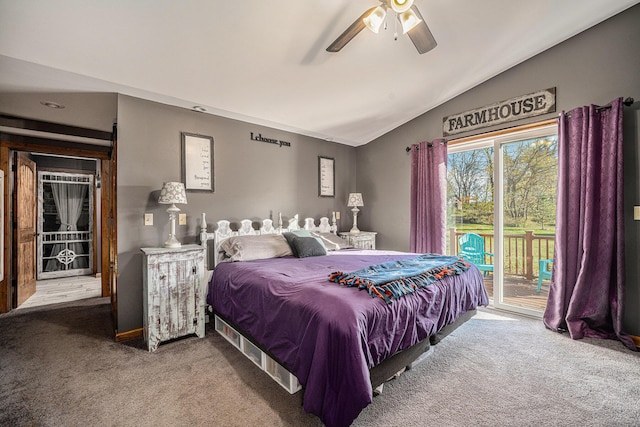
(520,107)
(261,138)
(197,162)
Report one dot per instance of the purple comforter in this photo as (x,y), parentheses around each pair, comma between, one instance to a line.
(327,335)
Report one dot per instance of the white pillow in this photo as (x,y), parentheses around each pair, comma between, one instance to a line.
(251,247)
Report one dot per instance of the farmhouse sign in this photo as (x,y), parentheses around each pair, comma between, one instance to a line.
(520,107)
(277,142)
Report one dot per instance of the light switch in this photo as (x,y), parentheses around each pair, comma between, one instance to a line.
(182,219)
(148,219)
(337,214)
(636,213)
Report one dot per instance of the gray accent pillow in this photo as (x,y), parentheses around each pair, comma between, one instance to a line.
(308,246)
(248,248)
(290,235)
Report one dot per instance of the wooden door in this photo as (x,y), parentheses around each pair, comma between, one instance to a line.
(25,215)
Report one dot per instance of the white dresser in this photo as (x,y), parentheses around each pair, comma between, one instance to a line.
(361,240)
(174,293)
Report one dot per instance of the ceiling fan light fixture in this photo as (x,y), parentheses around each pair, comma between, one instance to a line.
(400,6)
(409,20)
(375,19)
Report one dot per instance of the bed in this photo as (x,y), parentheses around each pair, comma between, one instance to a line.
(338,342)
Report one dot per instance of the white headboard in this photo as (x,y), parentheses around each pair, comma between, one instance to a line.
(223,230)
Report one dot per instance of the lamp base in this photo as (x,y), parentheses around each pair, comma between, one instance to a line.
(355,211)
(172,243)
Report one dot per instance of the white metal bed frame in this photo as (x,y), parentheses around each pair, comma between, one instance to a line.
(223,229)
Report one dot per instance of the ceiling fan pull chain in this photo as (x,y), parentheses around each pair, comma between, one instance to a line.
(395,28)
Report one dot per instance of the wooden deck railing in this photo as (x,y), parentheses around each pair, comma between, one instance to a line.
(521,251)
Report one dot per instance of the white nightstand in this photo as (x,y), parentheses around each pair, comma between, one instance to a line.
(361,240)
(174,293)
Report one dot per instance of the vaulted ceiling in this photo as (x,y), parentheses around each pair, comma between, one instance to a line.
(265,62)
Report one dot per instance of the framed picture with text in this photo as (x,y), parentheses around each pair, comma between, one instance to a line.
(197,162)
(326,177)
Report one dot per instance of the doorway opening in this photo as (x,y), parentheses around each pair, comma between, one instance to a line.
(68,229)
(21,139)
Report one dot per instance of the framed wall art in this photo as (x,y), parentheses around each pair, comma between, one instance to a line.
(326,177)
(197,162)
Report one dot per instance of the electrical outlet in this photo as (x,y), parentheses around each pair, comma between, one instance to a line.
(636,213)
(148,219)
(182,219)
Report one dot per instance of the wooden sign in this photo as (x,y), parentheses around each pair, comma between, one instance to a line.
(520,107)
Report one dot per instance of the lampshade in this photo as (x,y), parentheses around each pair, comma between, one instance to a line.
(400,6)
(375,19)
(408,19)
(355,200)
(173,192)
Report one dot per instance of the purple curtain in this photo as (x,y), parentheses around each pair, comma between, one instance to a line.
(587,286)
(428,197)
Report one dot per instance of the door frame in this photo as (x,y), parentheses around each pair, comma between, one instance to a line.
(60,140)
(496,140)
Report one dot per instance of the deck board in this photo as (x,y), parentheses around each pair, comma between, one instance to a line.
(521,292)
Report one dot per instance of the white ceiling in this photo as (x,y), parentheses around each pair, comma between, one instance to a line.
(265,62)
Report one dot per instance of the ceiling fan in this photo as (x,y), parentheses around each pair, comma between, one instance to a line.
(408,15)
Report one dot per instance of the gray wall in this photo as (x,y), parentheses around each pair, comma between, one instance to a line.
(593,67)
(253,180)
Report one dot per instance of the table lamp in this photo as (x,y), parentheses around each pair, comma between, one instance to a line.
(355,200)
(172,193)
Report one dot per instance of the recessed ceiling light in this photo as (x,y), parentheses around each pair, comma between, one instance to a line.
(52,104)
(199,108)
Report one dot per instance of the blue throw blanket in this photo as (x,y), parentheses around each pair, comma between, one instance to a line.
(391,280)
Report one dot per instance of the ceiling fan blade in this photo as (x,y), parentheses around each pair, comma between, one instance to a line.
(349,33)
(421,35)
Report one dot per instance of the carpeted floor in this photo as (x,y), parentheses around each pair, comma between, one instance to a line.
(60,366)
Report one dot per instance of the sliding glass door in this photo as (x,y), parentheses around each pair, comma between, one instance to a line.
(470,207)
(501,213)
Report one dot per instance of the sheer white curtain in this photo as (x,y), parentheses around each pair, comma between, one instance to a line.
(69,199)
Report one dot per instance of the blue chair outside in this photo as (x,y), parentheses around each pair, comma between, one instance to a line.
(543,271)
(472,250)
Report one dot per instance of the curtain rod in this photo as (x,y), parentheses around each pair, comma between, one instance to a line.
(627,103)
(430,144)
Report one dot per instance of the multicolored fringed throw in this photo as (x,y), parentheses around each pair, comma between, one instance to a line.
(393,279)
